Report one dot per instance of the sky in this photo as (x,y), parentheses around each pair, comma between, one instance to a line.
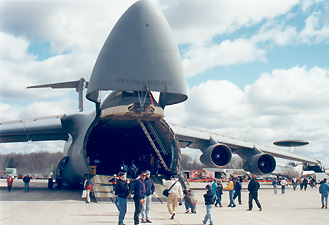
(256,70)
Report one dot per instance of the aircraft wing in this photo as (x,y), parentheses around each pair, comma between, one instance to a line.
(193,138)
(37,129)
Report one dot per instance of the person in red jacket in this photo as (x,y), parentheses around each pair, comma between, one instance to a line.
(88,186)
(10,181)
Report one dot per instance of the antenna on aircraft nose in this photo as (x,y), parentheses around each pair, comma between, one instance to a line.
(79,86)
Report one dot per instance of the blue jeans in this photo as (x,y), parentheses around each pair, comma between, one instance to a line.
(208,214)
(275,188)
(26,187)
(122,206)
(231,193)
(283,189)
(294,185)
(188,206)
(138,210)
(146,207)
(324,200)
(218,199)
(116,203)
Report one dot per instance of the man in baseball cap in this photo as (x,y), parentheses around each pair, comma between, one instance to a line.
(149,189)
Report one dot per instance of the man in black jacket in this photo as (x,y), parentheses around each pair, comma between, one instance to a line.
(149,190)
(139,196)
(26,181)
(237,189)
(253,187)
(122,191)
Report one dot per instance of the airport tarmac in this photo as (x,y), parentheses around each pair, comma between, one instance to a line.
(43,206)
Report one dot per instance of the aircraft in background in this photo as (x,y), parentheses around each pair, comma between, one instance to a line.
(139,58)
(292,169)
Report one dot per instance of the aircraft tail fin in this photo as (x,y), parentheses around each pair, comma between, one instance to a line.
(79,86)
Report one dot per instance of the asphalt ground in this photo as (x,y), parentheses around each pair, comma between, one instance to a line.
(44,206)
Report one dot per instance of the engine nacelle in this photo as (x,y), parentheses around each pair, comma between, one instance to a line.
(260,164)
(216,155)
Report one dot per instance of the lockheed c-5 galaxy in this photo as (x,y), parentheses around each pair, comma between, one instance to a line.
(138,59)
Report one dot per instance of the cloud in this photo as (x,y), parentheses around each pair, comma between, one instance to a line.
(74,41)
(240,51)
(69,26)
(23,71)
(15,52)
(195,21)
(277,34)
(287,103)
(307,4)
(276,27)
(316,28)
(36,109)
(295,89)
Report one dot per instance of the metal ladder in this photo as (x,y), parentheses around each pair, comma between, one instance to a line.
(182,177)
(150,131)
(156,139)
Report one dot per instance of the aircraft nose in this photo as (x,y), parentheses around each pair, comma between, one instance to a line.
(140,54)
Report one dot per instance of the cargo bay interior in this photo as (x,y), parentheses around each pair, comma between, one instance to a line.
(112,141)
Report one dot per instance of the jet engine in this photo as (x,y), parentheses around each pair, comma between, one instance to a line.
(260,164)
(216,155)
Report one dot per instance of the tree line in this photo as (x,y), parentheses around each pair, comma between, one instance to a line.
(45,162)
(34,163)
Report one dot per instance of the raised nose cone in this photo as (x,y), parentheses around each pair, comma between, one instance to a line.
(140,54)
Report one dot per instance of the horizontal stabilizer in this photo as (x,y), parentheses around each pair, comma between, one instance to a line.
(69,84)
(79,86)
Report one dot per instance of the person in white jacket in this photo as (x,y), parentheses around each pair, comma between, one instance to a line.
(283,185)
(175,194)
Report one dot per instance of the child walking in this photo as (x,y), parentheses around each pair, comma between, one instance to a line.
(209,201)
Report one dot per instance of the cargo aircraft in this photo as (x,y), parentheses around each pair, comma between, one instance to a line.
(139,58)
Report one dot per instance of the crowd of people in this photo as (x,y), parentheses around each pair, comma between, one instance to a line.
(303,183)
(144,162)
(212,197)
(142,189)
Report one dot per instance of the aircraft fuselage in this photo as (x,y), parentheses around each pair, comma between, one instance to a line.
(116,134)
